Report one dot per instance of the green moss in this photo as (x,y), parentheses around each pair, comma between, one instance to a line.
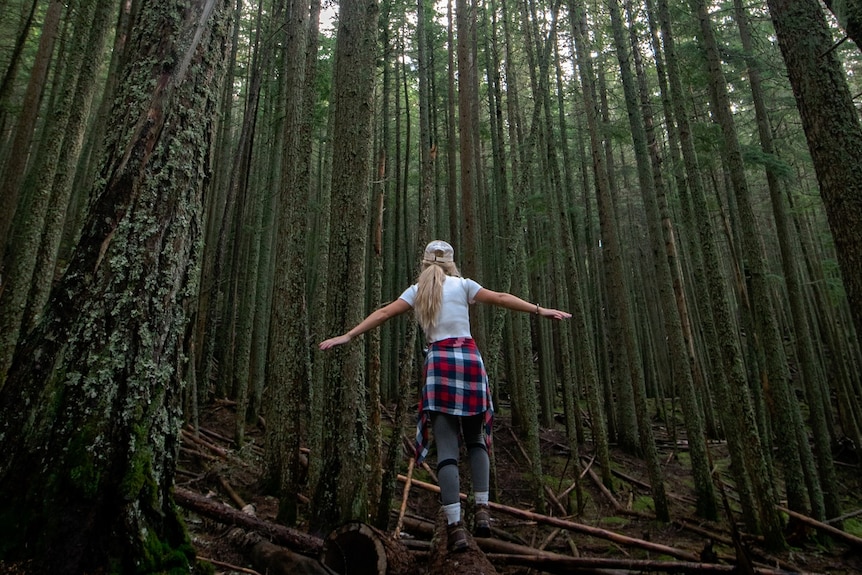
(617,521)
(158,556)
(164,548)
(205,568)
(853,527)
(139,474)
(84,466)
(643,503)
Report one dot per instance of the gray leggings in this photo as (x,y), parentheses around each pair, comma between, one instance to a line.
(446,430)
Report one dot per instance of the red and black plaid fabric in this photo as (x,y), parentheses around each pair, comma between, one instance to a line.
(455,383)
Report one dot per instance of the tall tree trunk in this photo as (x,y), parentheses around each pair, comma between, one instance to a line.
(95,137)
(465,16)
(88,488)
(619,307)
(451,137)
(624,406)
(251,231)
(748,459)
(579,336)
(671,298)
(15,167)
(832,128)
(71,138)
(337,496)
(289,350)
(811,380)
(7,83)
(773,376)
(21,255)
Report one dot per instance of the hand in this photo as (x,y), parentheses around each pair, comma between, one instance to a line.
(333,341)
(554,313)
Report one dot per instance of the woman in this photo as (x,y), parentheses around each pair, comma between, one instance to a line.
(455,397)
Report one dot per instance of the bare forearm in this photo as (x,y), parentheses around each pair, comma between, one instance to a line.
(373,320)
(515,303)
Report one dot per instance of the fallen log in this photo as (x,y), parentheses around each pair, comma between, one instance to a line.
(578,527)
(471,561)
(564,565)
(642,484)
(851,540)
(359,548)
(235,497)
(229,566)
(271,559)
(506,553)
(843,517)
(425,528)
(296,540)
(188,435)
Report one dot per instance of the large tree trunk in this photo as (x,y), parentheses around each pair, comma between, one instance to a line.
(89,412)
(338,496)
(832,127)
(288,351)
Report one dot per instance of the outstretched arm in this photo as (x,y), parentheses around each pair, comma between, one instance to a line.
(513,302)
(373,320)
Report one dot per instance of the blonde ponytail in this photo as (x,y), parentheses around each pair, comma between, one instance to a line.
(429,292)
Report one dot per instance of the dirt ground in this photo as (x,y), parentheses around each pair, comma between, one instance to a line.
(215,468)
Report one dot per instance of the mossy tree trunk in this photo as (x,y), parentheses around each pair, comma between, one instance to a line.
(465,18)
(619,307)
(255,186)
(289,346)
(809,364)
(832,128)
(773,374)
(670,294)
(733,397)
(12,175)
(88,463)
(86,58)
(61,139)
(340,492)
(15,166)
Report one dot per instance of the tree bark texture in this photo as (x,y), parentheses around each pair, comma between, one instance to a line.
(832,128)
(90,413)
(338,496)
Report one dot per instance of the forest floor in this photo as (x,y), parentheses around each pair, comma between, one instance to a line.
(608,538)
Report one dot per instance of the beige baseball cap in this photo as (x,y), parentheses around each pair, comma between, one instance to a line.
(439,251)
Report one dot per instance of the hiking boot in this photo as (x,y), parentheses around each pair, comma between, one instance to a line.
(482,521)
(457,537)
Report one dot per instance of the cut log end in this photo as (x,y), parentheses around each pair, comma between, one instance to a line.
(358,549)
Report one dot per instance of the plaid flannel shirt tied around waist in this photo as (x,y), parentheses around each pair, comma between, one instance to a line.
(455,383)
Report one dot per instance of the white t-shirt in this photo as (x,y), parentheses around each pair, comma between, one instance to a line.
(454,317)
